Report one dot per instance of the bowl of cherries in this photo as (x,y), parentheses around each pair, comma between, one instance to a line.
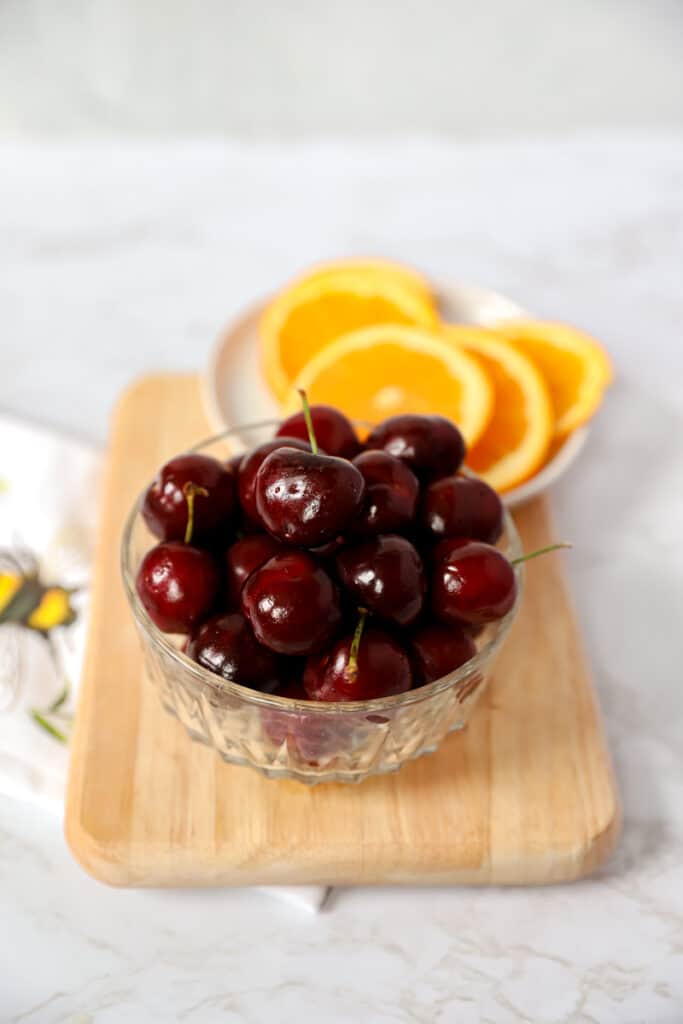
(317,606)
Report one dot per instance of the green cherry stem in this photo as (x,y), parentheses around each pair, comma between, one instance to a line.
(309,421)
(540,551)
(352,665)
(191,490)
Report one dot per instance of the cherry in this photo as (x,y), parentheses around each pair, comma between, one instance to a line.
(391,493)
(292,604)
(310,736)
(314,738)
(243,558)
(277,724)
(461,506)
(360,666)
(226,645)
(243,524)
(386,575)
(192,498)
(333,430)
(438,650)
(431,446)
(472,582)
(293,689)
(326,551)
(305,498)
(178,585)
(250,465)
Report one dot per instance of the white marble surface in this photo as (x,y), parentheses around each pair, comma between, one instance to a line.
(115,261)
(302,68)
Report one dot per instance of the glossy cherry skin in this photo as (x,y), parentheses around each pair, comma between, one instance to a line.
(307,499)
(225,644)
(382,669)
(243,558)
(385,575)
(292,604)
(391,494)
(165,507)
(333,430)
(472,582)
(460,506)
(431,446)
(178,585)
(250,465)
(438,650)
(326,551)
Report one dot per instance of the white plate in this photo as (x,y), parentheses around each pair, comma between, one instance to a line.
(234,389)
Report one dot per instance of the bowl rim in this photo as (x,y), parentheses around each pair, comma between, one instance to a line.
(212,681)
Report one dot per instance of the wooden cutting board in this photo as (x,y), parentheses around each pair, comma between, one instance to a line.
(525,795)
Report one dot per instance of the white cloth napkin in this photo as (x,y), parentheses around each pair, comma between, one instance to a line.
(47,527)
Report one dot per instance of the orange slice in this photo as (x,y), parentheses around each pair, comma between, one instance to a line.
(516,440)
(304,319)
(371,266)
(389,369)
(575,367)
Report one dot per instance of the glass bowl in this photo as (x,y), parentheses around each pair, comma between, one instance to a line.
(304,740)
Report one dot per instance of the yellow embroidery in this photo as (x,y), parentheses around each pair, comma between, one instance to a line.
(9,584)
(54,610)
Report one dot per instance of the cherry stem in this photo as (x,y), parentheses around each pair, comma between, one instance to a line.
(352,664)
(191,490)
(309,421)
(540,551)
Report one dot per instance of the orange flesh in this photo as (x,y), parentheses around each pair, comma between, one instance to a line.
(507,425)
(563,387)
(358,384)
(311,326)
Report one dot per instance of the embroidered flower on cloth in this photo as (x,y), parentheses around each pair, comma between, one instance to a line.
(47,516)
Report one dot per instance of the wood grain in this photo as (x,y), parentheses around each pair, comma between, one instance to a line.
(524,796)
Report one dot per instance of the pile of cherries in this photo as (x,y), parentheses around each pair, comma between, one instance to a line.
(341,572)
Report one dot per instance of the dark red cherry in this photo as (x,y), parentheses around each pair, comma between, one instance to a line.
(305,498)
(250,465)
(226,645)
(472,582)
(316,738)
(177,584)
(243,558)
(431,446)
(326,551)
(460,506)
(191,484)
(438,650)
(311,737)
(386,575)
(391,493)
(333,430)
(278,725)
(293,689)
(379,668)
(292,604)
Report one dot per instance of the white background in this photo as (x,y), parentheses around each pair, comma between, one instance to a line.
(118,257)
(292,68)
